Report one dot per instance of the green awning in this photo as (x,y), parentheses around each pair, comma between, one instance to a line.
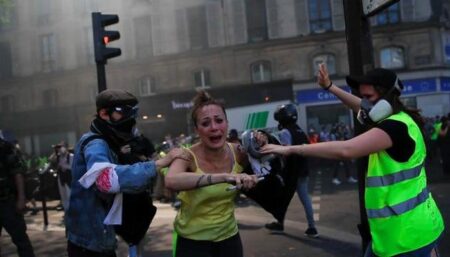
(257,120)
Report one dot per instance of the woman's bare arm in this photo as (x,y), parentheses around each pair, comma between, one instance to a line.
(372,141)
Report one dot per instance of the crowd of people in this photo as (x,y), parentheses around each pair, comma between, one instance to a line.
(108,181)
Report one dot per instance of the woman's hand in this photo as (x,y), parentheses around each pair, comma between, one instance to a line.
(126,149)
(175,153)
(278,149)
(242,180)
(323,79)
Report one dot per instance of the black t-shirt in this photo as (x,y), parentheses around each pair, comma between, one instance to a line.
(402,144)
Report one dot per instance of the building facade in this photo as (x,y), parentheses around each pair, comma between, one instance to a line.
(171,48)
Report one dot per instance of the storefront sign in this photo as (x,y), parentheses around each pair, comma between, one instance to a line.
(445,84)
(181,105)
(316,95)
(417,86)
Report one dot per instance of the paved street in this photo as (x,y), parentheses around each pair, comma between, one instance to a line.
(336,212)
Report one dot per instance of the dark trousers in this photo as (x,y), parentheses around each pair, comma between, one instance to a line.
(230,247)
(14,224)
(77,251)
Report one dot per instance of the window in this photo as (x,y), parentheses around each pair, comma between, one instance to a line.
(261,71)
(392,57)
(43,12)
(48,55)
(146,86)
(256,20)
(50,97)
(6,62)
(7,103)
(198,32)
(202,78)
(389,16)
(143,36)
(319,16)
(328,59)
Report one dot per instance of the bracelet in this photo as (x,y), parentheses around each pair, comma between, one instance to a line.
(328,87)
(209,180)
(199,180)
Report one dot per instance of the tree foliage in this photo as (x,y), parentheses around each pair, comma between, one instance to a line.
(6,7)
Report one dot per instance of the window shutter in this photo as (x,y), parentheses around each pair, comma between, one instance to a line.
(407,10)
(143,36)
(238,21)
(182,30)
(214,17)
(301,12)
(338,15)
(157,34)
(422,10)
(272,18)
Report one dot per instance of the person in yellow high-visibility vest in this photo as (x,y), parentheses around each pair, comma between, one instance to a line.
(403,217)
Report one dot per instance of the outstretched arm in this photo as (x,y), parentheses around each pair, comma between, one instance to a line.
(324,81)
(372,141)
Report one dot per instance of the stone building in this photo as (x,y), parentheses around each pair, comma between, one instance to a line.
(253,54)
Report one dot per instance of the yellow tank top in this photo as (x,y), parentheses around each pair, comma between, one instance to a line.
(207,213)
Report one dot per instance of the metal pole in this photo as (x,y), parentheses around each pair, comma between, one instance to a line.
(101,77)
(44,200)
(360,59)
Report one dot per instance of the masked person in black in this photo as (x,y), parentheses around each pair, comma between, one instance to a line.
(402,214)
(99,179)
(12,198)
(296,169)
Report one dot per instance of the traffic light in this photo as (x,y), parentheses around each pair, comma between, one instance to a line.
(103,37)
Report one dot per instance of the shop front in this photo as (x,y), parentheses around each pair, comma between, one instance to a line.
(322,110)
(248,106)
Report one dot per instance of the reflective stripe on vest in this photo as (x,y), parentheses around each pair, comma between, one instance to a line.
(386,180)
(399,208)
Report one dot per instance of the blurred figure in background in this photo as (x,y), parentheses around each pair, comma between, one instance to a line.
(12,198)
(63,159)
(297,166)
(339,134)
(233,137)
(444,144)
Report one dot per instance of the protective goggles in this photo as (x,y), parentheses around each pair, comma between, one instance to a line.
(127,111)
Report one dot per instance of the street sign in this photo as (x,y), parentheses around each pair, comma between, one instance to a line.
(372,7)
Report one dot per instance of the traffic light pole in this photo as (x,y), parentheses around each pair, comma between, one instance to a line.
(360,59)
(101,77)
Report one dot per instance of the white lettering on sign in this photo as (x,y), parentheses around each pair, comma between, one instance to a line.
(185,105)
(325,96)
(372,6)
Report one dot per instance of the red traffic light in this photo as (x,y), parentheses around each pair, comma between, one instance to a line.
(106,40)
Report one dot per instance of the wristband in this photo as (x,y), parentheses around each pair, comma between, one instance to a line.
(328,87)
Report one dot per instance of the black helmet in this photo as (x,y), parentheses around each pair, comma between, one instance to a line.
(285,114)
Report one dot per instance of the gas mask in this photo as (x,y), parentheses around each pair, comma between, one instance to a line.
(370,114)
